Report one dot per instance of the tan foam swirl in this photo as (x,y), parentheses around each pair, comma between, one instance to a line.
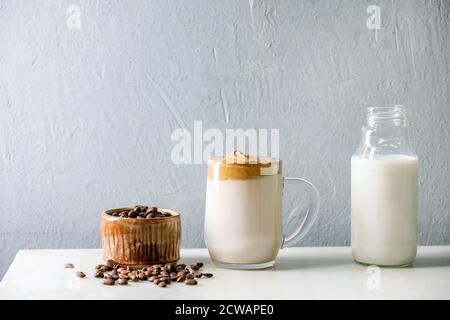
(239,166)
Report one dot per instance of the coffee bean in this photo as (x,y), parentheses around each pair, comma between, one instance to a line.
(98,274)
(154,209)
(207,274)
(123,214)
(194,267)
(156,281)
(199,264)
(110,263)
(133,277)
(68,265)
(197,274)
(109,282)
(142,276)
(132,214)
(164,273)
(153,278)
(181,279)
(189,276)
(122,282)
(167,214)
(124,276)
(191,282)
(80,274)
(162,284)
(98,266)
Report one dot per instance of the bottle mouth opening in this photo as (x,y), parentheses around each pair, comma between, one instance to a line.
(386,115)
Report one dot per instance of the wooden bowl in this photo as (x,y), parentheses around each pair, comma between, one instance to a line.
(141,242)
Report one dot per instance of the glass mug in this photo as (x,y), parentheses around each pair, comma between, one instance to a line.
(243,218)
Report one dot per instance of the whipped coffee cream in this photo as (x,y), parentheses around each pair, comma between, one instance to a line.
(243,209)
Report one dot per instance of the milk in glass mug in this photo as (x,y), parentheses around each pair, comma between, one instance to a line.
(243,219)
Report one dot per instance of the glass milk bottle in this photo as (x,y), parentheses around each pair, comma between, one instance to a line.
(384,191)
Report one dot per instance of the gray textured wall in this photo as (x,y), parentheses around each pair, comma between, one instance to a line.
(86,115)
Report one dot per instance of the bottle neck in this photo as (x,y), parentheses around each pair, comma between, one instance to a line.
(385,116)
(386,131)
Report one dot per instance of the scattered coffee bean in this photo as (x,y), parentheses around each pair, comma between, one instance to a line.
(191,282)
(68,265)
(104,268)
(114,276)
(98,274)
(133,277)
(80,274)
(109,263)
(142,276)
(161,275)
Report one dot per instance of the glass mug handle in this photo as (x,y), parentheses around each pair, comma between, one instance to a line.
(310,216)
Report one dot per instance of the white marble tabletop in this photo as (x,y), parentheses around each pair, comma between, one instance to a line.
(300,273)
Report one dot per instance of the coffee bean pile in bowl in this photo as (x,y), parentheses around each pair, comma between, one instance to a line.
(161,275)
(140,212)
(141,235)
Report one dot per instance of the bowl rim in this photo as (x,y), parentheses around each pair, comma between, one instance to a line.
(106,214)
